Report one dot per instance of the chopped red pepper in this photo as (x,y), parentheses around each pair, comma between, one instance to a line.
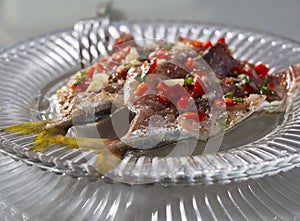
(162,87)
(221,40)
(152,65)
(183,102)
(73,86)
(207,44)
(123,73)
(119,41)
(196,43)
(197,116)
(190,63)
(262,70)
(90,71)
(99,67)
(162,99)
(118,44)
(199,87)
(229,81)
(163,54)
(201,115)
(172,93)
(270,85)
(142,89)
(247,71)
(188,41)
(229,101)
(236,69)
(249,89)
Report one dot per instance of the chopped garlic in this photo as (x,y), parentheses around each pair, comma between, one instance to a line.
(173,82)
(99,82)
(132,55)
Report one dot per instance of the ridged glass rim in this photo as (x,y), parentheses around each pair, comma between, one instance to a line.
(223,170)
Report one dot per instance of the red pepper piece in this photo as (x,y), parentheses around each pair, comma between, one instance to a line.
(123,73)
(162,99)
(183,102)
(142,89)
(73,86)
(201,115)
(229,81)
(229,101)
(236,69)
(153,65)
(262,70)
(221,40)
(118,44)
(90,71)
(119,41)
(190,63)
(270,85)
(249,89)
(196,43)
(199,87)
(99,67)
(197,116)
(162,87)
(207,44)
(247,71)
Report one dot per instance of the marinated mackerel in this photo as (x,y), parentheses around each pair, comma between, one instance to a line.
(166,94)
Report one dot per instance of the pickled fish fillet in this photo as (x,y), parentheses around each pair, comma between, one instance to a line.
(171,92)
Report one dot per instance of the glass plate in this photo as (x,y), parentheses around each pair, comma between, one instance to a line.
(30,194)
(31,71)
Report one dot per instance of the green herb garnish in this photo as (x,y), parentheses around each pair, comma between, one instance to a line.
(236,99)
(81,78)
(265,90)
(189,79)
(228,95)
(266,81)
(234,74)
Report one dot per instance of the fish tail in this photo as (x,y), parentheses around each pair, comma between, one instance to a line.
(44,139)
(108,151)
(94,144)
(108,154)
(27,127)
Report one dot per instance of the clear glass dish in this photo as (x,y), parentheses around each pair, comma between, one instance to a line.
(30,73)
